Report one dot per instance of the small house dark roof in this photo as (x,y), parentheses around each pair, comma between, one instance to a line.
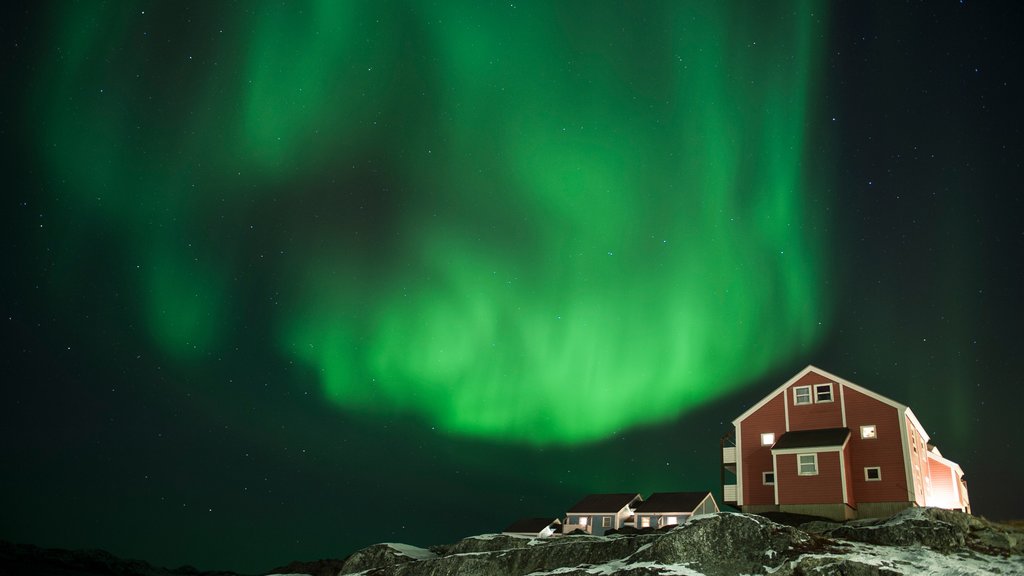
(672,502)
(531,525)
(610,503)
(812,438)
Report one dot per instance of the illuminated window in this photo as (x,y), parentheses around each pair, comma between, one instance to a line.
(807,464)
(645,521)
(767,438)
(868,432)
(768,478)
(802,395)
(606,521)
(873,474)
(822,392)
(671,520)
(583,520)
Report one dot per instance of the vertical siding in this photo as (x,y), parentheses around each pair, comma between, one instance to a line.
(814,416)
(825,488)
(884,451)
(756,458)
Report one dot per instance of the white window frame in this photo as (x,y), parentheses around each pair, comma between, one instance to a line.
(831,396)
(764,478)
(868,432)
(645,522)
(869,478)
(606,521)
(767,438)
(671,520)
(797,393)
(799,464)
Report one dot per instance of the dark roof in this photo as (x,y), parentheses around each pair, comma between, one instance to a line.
(672,502)
(812,438)
(531,525)
(604,502)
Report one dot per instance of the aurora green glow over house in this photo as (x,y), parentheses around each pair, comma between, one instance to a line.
(276,265)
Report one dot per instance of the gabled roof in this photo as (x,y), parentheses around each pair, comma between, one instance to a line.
(821,438)
(672,502)
(901,408)
(531,525)
(610,503)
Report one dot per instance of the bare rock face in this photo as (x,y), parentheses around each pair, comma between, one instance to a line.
(910,527)
(522,556)
(912,542)
(383,555)
(724,544)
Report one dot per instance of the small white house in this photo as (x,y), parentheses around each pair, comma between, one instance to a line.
(534,527)
(664,509)
(598,513)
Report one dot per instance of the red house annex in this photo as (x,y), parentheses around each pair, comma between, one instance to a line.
(824,446)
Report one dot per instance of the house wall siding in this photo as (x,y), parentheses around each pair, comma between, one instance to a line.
(815,415)
(756,458)
(918,462)
(884,451)
(824,488)
(944,492)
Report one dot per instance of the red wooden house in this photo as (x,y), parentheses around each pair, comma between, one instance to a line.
(822,445)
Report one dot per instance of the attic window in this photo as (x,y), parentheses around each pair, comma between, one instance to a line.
(823,392)
(807,464)
(873,474)
(802,395)
(767,438)
(868,432)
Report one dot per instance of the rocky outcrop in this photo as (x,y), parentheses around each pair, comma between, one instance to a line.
(752,542)
(941,530)
(912,542)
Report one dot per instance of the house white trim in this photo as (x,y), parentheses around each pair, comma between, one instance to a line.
(808,450)
(798,464)
(905,442)
(831,393)
(868,478)
(739,464)
(842,403)
(785,410)
(775,469)
(838,380)
(842,476)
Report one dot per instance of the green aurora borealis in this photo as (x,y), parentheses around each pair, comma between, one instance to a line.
(286,279)
(514,224)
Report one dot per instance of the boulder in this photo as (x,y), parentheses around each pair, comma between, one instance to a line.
(723,544)
(383,555)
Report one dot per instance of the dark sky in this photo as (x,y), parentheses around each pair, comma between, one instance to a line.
(284,281)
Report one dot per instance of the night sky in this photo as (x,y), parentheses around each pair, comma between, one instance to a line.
(282,280)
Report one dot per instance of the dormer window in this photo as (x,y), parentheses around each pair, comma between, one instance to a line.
(823,392)
(802,395)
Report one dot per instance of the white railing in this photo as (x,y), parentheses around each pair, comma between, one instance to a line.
(729,492)
(729,454)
